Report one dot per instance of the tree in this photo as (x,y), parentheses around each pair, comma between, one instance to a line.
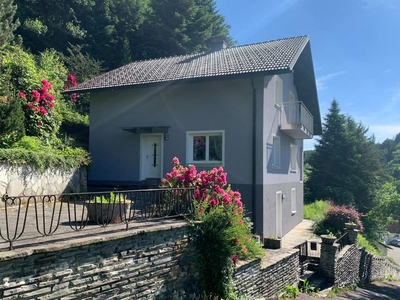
(7,23)
(345,166)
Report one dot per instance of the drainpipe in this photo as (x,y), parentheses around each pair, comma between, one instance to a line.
(254,151)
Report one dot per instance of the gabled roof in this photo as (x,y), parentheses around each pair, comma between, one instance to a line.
(278,55)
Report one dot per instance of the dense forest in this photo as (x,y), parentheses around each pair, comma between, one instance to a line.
(47,46)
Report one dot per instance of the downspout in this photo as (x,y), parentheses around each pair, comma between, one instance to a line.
(254,152)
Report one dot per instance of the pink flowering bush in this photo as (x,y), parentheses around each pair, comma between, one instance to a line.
(40,117)
(71,82)
(221,233)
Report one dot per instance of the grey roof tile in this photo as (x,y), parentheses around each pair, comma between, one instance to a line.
(261,57)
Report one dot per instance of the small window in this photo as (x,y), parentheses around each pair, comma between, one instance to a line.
(205,147)
(293,200)
(276,152)
(293,158)
(278,91)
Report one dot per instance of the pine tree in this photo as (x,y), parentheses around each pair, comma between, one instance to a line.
(345,166)
(7,23)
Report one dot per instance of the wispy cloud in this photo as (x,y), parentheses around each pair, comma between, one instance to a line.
(388,70)
(322,80)
(383,132)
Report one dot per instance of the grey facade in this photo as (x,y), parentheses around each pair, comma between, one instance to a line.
(126,122)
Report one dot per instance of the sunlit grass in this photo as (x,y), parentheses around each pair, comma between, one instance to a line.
(316,211)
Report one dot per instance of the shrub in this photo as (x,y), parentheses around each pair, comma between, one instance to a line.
(220,232)
(335,220)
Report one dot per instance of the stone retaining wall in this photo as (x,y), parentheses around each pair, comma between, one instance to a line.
(24,181)
(354,264)
(267,280)
(156,265)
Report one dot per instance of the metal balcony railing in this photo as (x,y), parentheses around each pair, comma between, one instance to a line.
(296,120)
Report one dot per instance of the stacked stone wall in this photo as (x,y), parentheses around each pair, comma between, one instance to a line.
(267,280)
(156,265)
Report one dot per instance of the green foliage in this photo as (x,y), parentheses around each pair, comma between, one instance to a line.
(345,166)
(8,24)
(291,292)
(317,210)
(364,243)
(120,31)
(386,211)
(32,151)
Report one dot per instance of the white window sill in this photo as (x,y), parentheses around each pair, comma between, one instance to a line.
(276,167)
(278,106)
(294,212)
(206,164)
(293,171)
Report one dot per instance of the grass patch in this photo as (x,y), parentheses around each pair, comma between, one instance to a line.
(316,211)
(363,242)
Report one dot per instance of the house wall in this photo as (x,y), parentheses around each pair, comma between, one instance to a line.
(202,106)
(280,179)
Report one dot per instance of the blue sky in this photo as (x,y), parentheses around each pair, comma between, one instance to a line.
(355,47)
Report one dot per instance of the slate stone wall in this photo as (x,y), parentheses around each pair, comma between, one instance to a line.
(156,265)
(258,279)
(354,264)
(25,181)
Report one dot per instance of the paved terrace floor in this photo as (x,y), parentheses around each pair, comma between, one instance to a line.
(64,236)
(298,235)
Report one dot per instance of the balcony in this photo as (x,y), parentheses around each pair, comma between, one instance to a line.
(296,120)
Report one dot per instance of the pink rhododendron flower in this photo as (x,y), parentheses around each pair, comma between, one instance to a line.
(22,94)
(175,160)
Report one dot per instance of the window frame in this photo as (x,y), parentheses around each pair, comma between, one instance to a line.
(293,204)
(276,152)
(293,158)
(278,91)
(207,133)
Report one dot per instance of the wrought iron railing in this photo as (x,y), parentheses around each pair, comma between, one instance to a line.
(343,241)
(43,215)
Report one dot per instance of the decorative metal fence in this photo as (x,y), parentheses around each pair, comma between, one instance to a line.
(19,215)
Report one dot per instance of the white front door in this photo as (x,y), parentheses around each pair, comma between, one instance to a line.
(151,156)
(278,214)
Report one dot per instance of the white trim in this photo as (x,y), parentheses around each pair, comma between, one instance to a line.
(276,152)
(278,86)
(207,133)
(293,201)
(279,216)
(292,98)
(141,166)
(293,158)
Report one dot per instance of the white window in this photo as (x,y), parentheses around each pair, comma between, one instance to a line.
(293,158)
(293,200)
(205,147)
(278,91)
(276,152)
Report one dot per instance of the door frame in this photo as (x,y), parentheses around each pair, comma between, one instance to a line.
(279,215)
(143,137)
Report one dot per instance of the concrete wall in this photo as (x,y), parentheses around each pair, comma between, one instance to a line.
(25,181)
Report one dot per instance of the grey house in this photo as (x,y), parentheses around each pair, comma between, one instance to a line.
(245,108)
